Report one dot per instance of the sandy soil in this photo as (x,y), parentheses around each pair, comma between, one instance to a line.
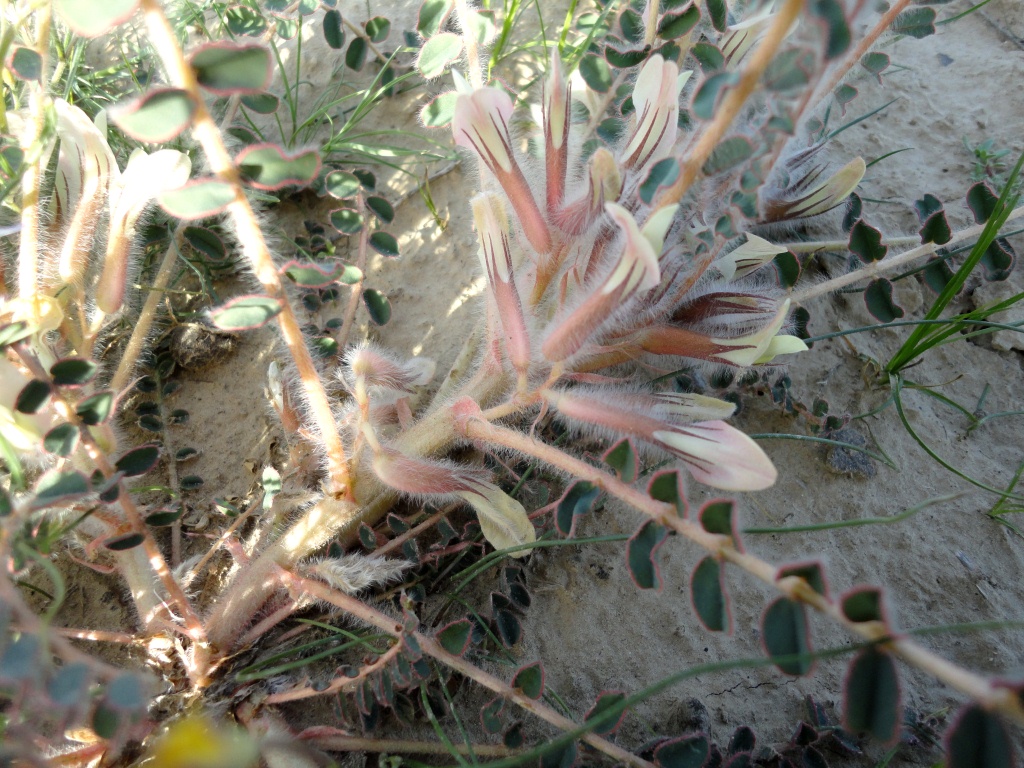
(593,629)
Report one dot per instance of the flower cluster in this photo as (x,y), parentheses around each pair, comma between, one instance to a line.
(591,283)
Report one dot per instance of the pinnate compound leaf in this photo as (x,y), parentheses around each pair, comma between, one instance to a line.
(578,500)
(96,409)
(623,459)
(348,221)
(198,199)
(32,397)
(245,313)
(91,18)
(432,16)
(377,305)
(455,637)
(872,701)
(530,680)
(641,551)
(69,684)
(719,13)
(377,29)
(206,242)
(384,243)
(138,461)
(728,154)
(710,600)
(719,517)
(982,201)
(834,20)
(866,242)
(156,116)
(863,604)
(673,25)
(268,167)
(312,275)
(596,73)
(355,56)
(879,301)
(662,174)
(243,20)
(813,573)
(341,185)
(916,22)
(59,486)
(73,371)
(26,63)
(437,53)
(61,440)
(666,486)
(381,208)
(490,715)
(875,63)
(261,103)
(707,96)
(934,227)
(685,752)
(978,739)
(785,635)
(334,30)
(606,701)
(438,112)
(227,68)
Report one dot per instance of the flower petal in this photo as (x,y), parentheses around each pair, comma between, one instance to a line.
(720,456)
(503,520)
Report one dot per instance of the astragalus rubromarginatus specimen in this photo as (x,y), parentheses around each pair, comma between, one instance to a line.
(609,264)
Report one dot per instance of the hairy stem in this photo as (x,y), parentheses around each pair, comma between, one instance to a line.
(433,648)
(731,104)
(254,246)
(978,688)
(892,263)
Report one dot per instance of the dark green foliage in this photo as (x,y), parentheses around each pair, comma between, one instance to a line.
(661,175)
(978,740)
(455,637)
(640,555)
(32,397)
(673,25)
(832,17)
(377,305)
(863,604)
(719,517)
(879,301)
(685,752)
(245,313)
(934,227)
(606,701)
(666,486)
(813,573)
(785,635)
(623,459)
(530,680)
(596,73)
(228,68)
(872,701)
(577,500)
(710,600)
(384,243)
(73,371)
(866,242)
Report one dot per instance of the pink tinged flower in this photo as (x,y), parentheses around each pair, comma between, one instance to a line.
(715,453)
(496,257)
(656,100)
(810,200)
(145,177)
(747,258)
(719,455)
(85,167)
(742,351)
(725,308)
(377,368)
(480,123)
(503,520)
(557,98)
(604,184)
(740,38)
(636,271)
